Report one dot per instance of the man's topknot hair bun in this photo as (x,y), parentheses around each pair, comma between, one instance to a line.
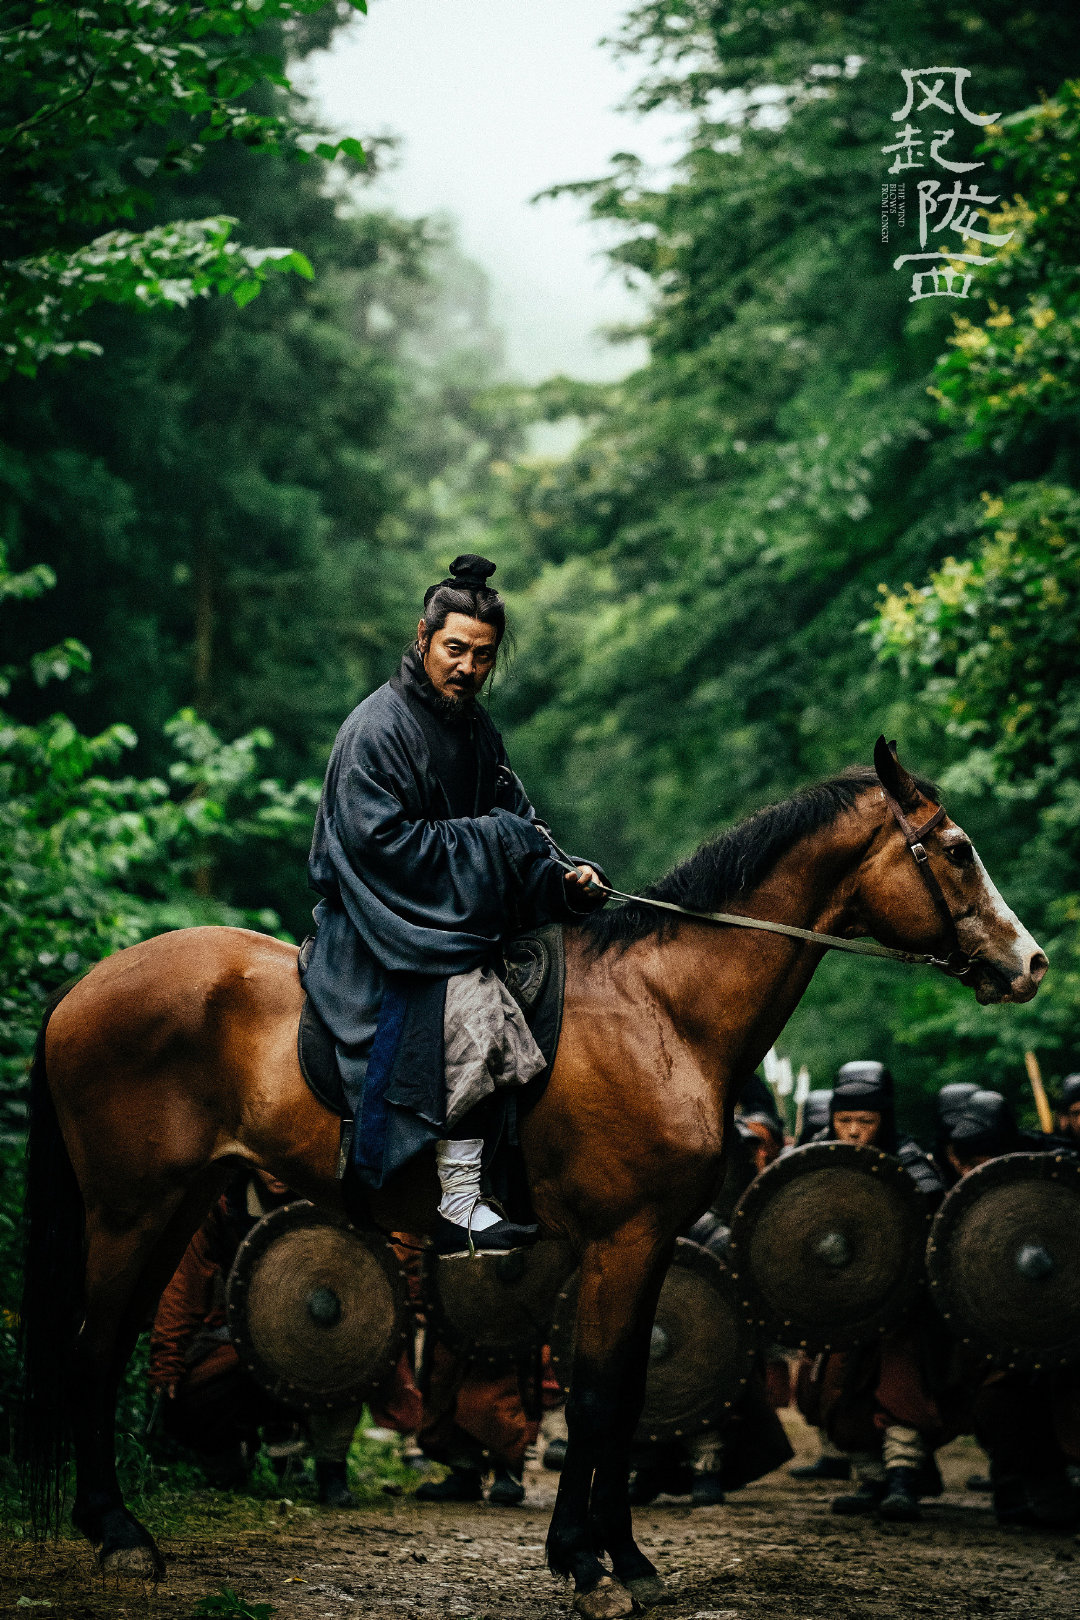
(470,570)
(466,591)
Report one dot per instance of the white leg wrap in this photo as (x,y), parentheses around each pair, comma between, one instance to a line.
(458,1164)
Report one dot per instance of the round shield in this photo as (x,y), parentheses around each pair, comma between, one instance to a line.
(702,1349)
(317,1310)
(1004,1259)
(490,1306)
(827,1246)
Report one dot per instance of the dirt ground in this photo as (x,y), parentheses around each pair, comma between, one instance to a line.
(773,1550)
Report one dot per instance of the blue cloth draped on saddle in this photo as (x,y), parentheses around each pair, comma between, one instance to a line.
(403,1106)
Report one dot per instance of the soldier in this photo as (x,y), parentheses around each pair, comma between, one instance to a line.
(210,1402)
(862,1110)
(885,1434)
(1069,1112)
(816,1113)
(751,1442)
(1026,1421)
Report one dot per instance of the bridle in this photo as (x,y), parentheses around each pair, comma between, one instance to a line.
(958,961)
(956,964)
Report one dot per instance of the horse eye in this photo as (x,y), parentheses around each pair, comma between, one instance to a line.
(960,854)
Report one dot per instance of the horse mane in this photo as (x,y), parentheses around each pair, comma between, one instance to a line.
(728,866)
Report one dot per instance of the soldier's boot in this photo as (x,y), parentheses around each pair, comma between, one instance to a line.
(838,1468)
(928,1478)
(707,1491)
(332,1480)
(460,1485)
(466,1222)
(1045,1501)
(862,1502)
(900,1503)
(508,1489)
(555,1454)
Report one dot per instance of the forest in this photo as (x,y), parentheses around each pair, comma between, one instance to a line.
(247,417)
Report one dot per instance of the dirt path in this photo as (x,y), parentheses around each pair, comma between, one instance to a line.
(773,1551)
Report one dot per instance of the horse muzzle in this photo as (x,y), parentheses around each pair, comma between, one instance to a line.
(995,982)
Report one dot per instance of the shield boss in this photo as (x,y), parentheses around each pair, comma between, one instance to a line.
(702,1349)
(317,1310)
(1004,1259)
(827,1246)
(490,1306)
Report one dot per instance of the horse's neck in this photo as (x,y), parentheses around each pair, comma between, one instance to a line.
(734,989)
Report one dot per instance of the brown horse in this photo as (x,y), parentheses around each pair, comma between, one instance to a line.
(174,1062)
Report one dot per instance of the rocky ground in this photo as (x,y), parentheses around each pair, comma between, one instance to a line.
(773,1551)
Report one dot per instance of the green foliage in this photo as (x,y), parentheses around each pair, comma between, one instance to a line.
(92,860)
(989,642)
(997,633)
(229,1605)
(1016,375)
(691,577)
(81,86)
(169,264)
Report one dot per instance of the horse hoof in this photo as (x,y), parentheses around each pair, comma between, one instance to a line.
(609,1600)
(142,1563)
(647,1590)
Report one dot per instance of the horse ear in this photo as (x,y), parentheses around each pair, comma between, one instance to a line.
(892,775)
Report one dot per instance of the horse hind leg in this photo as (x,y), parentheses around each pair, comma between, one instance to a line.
(620,1284)
(125,1272)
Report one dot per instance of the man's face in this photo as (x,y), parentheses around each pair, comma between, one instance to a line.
(964,1167)
(1070,1119)
(858,1125)
(459,657)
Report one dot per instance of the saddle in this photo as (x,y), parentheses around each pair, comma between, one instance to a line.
(534,971)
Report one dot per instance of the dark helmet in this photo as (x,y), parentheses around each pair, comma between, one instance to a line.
(950,1102)
(984,1126)
(815,1115)
(1070,1090)
(951,1099)
(863,1084)
(866,1084)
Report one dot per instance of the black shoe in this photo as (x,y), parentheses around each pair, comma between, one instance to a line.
(928,1480)
(507,1489)
(862,1502)
(555,1455)
(449,1238)
(707,1491)
(1041,1502)
(824,1468)
(333,1482)
(460,1485)
(900,1504)
(669,1476)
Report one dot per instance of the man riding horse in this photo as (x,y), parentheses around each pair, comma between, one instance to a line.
(427,854)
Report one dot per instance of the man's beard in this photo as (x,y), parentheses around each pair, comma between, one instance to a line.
(453,705)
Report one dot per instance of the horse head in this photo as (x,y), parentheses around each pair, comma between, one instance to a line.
(923,887)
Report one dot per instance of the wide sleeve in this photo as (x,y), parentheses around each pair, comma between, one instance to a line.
(427,895)
(562,901)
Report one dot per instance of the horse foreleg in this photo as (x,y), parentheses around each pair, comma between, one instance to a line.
(620,1282)
(609,1510)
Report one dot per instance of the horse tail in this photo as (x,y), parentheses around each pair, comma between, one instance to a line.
(52,1300)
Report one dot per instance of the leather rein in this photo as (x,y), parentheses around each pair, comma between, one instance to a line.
(956,964)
